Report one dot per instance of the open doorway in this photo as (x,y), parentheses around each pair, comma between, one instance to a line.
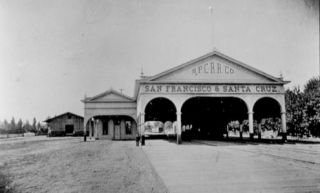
(208,117)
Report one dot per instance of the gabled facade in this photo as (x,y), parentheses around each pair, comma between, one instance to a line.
(213,75)
(110,115)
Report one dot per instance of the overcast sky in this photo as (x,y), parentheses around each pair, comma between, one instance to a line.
(53,52)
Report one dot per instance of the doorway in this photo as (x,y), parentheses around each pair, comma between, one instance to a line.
(69,129)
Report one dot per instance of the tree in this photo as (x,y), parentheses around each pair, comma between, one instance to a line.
(2,130)
(312,86)
(303,109)
(296,116)
(312,94)
(34,125)
(19,125)
(27,126)
(12,124)
(41,129)
(38,126)
(313,114)
(6,125)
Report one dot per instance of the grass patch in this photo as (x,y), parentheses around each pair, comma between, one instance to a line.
(5,182)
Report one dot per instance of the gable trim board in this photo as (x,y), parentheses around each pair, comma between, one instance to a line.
(117,97)
(61,115)
(212,54)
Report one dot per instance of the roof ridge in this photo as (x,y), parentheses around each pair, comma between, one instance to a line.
(56,116)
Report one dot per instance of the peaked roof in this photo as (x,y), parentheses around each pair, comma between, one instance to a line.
(155,78)
(61,115)
(215,53)
(120,97)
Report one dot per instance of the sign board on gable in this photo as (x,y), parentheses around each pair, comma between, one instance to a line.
(214,69)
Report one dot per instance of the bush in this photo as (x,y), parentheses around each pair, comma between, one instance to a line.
(269,124)
(42,131)
(234,126)
(245,126)
(12,131)
(80,133)
(5,182)
(56,133)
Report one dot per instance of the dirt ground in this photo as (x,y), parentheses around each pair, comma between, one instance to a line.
(217,166)
(41,164)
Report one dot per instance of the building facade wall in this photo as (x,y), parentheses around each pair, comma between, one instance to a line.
(211,75)
(116,131)
(59,123)
(110,111)
(248,93)
(179,99)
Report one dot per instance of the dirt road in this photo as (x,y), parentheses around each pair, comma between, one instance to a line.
(41,164)
(213,166)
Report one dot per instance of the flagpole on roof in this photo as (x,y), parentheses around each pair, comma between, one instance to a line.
(141,74)
(210,8)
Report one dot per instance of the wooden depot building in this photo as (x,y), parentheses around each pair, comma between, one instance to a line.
(205,93)
(65,124)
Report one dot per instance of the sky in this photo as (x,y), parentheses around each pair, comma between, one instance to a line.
(54,52)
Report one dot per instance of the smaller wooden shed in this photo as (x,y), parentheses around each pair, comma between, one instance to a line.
(65,124)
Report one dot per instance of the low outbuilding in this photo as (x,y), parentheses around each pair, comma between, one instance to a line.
(65,124)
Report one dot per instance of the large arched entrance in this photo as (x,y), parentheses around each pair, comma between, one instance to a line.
(115,127)
(208,117)
(267,117)
(160,113)
(160,109)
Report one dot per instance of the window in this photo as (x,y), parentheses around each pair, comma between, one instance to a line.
(69,116)
(104,127)
(128,128)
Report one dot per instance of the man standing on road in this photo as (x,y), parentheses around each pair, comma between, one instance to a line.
(137,139)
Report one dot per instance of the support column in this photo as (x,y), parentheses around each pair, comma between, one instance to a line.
(284,126)
(179,128)
(85,131)
(250,118)
(227,134)
(96,122)
(90,128)
(260,130)
(142,128)
(98,129)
